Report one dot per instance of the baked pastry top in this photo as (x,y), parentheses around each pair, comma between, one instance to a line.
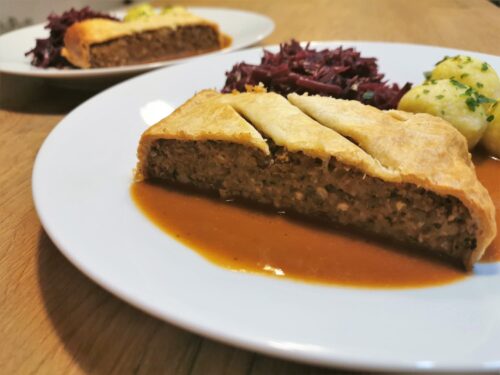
(392,146)
(79,38)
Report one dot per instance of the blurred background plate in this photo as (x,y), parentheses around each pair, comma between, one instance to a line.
(245,28)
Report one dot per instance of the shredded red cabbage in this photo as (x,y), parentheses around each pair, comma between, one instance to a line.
(340,73)
(47,52)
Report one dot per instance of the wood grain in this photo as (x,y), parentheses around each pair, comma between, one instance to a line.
(54,320)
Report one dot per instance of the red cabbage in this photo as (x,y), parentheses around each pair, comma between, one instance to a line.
(340,73)
(47,52)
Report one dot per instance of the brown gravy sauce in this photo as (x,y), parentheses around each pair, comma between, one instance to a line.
(226,41)
(243,239)
(488,172)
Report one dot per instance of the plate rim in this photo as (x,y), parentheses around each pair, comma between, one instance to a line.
(243,342)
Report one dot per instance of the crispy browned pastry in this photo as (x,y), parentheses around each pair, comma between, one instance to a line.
(405,176)
(102,43)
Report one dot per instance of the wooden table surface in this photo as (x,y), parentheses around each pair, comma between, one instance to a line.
(53,319)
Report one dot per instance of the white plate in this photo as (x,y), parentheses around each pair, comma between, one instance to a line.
(81,183)
(245,28)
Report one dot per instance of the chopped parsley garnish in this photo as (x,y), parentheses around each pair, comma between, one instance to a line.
(468,92)
(471,103)
(484,67)
(443,112)
(440,61)
(481,99)
(433,81)
(426,91)
(475,99)
(479,84)
(427,74)
(458,84)
(368,95)
(439,97)
(464,75)
(490,118)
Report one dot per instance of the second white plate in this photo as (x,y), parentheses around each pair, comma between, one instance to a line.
(244,27)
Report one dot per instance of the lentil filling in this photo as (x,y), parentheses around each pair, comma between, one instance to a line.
(155,45)
(324,189)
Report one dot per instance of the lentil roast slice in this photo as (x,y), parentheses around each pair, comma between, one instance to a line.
(97,43)
(336,160)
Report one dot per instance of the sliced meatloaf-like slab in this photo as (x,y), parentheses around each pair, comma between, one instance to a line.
(155,45)
(98,43)
(402,176)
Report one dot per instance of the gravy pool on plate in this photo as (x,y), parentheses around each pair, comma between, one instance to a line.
(242,239)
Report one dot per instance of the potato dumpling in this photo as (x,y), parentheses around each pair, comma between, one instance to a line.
(473,72)
(452,101)
(139,11)
(174,9)
(491,137)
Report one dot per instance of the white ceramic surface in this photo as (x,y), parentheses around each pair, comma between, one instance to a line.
(245,28)
(81,183)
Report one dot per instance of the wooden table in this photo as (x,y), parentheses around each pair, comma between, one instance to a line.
(53,319)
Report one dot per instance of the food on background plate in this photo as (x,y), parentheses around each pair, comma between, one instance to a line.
(404,176)
(105,43)
(146,10)
(340,73)
(464,91)
(86,39)
(47,52)
(139,11)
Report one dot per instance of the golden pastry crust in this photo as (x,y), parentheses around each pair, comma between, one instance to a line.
(393,146)
(288,126)
(210,115)
(82,35)
(200,118)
